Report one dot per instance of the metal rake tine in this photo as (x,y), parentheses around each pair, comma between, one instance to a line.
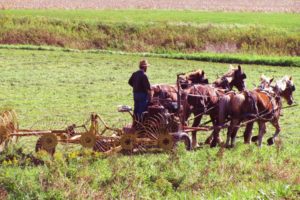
(150,130)
(102,145)
(163,118)
(142,148)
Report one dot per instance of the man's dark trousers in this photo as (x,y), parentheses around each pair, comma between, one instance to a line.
(140,103)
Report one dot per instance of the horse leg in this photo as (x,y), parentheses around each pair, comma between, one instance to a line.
(248,133)
(215,134)
(196,123)
(277,131)
(230,130)
(234,129)
(211,138)
(216,137)
(262,131)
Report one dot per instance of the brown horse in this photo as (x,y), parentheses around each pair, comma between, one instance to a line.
(225,107)
(166,95)
(204,99)
(258,106)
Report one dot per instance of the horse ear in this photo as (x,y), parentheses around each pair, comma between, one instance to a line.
(231,67)
(271,80)
(203,73)
(239,67)
(262,77)
(291,78)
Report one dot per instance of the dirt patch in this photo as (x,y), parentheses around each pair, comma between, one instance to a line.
(3,193)
(224,5)
(221,48)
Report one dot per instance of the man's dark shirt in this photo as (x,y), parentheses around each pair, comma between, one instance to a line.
(139,81)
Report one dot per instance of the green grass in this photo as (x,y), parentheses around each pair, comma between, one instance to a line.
(155,31)
(277,20)
(55,86)
(207,57)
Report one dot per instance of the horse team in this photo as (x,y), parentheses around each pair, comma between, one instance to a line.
(223,105)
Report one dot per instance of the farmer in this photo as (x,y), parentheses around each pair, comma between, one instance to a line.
(141,89)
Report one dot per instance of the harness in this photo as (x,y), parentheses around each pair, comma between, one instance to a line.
(275,100)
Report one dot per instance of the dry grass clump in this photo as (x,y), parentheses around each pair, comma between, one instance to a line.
(3,193)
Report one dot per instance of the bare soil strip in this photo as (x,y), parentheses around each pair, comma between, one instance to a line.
(210,5)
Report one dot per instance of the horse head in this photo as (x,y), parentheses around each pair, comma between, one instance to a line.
(285,88)
(238,78)
(235,77)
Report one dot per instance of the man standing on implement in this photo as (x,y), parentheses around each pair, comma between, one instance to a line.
(141,89)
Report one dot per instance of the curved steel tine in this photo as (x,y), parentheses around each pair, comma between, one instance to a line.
(141,148)
(99,146)
(151,127)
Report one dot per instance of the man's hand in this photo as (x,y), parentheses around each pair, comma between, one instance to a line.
(149,96)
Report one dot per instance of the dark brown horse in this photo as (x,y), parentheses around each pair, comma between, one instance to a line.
(203,100)
(166,95)
(258,106)
(196,93)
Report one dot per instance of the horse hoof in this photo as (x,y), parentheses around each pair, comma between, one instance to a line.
(270,141)
(213,145)
(215,142)
(254,138)
(208,140)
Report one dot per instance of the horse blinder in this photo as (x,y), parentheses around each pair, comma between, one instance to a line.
(243,76)
(293,88)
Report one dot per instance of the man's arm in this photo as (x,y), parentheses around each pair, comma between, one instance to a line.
(130,81)
(147,86)
(146,83)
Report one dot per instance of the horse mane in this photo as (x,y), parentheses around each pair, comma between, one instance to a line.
(265,83)
(282,83)
(265,79)
(193,74)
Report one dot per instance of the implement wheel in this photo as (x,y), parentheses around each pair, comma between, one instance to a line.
(46,143)
(182,137)
(166,142)
(88,140)
(128,142)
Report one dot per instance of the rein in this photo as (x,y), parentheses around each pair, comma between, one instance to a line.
(204,112)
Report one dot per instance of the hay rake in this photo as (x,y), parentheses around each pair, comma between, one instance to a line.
(157,130)
(91,137)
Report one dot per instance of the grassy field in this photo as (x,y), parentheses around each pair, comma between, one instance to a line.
(276,20)
(267,34)
(207,57)
(45,87)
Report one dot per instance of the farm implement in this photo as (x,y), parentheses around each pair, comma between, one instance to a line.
(157,130)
